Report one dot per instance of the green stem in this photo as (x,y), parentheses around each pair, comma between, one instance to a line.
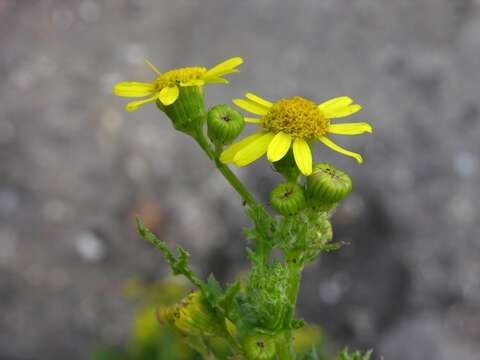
(199,345)
(248,198)
(285,349)
(225,170)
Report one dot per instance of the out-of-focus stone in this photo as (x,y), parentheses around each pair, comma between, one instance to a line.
(90,246)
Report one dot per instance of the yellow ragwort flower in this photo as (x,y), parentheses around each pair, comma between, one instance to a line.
(166,85)
(295,123)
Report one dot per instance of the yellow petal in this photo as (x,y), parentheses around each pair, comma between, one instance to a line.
(193,82)
(168,95)
(350,128)
(254,150)
(342,112)
(303,156)
(133,89)
(152,67)
(258,100)
(335,103)
(224,67)
(279,146)
(231,151)
(250,106)
(326,141)
(252,120)
(134,105)
(216,80)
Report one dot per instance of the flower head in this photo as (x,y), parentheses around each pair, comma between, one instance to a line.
(293,123)
(166,86)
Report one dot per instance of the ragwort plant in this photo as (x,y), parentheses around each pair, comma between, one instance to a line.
(255,317)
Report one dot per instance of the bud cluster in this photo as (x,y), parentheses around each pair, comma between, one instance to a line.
(324,188)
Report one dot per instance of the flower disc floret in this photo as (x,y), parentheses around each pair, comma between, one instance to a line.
(297,117)
(179,76)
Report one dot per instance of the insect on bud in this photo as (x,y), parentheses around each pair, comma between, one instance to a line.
(259,347)
(288,198)
(192,316)
(326,186)
(224,124)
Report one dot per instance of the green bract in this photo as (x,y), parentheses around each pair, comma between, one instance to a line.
(193,316)
(188,111)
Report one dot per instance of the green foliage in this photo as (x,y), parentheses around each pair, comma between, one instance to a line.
(178,263)
(266,295)
(263,225)
(311,355)
(147,340)
(357,355)
(304,235)
(265,304)
(211,290)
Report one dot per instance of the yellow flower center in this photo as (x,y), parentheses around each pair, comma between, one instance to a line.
(181,75)
(297,117)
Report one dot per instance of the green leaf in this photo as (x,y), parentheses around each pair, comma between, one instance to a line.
(357,355)
(178,263)
(332,246)
(311,355)
(297,324)
(228,298)
(214,291)
(263,225)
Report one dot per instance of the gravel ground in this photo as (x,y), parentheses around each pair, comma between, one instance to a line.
(75,168)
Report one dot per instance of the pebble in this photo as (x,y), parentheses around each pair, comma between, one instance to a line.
(90,247)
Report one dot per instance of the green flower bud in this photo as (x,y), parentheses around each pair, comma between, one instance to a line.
(288,198)
(192,317)
(287,167)
(259,347)
(326,186)
(224,124)
(188,111)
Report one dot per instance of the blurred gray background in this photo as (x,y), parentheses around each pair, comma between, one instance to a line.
(75,168)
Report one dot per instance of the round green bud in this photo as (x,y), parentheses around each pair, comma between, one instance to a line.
(288,198)
(326,186)
(259,347)
(224,124)
(192,316)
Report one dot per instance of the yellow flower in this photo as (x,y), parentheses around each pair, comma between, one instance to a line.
(166,86)
(295,123)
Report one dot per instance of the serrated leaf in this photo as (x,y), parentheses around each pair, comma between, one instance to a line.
(214,291)
(178,263)
(357,355)
(332,246)
(232,290)
(311,355)
(255,258)
(297,324)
